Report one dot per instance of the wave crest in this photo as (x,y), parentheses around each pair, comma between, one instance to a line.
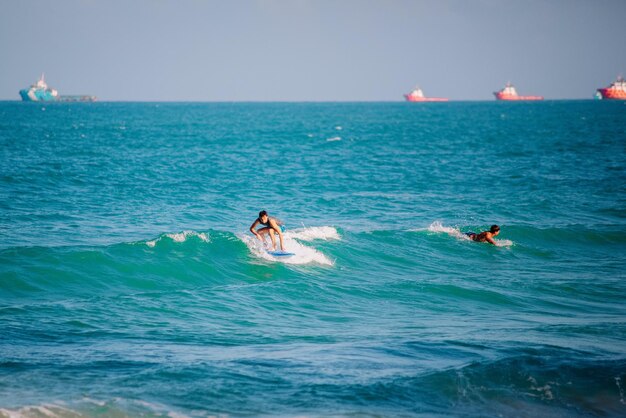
(179,237)
(314,233)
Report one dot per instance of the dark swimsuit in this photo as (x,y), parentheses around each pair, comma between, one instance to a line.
(267,224)
(477,237)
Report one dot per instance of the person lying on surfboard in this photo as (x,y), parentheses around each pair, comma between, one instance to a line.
(485,236)
(270,225)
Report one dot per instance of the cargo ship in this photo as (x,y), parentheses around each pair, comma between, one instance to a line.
(417,95)
(40,92)
(616,91)
(509,93)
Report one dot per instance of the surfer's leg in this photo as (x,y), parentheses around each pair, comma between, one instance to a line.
(282,245)
(270,231)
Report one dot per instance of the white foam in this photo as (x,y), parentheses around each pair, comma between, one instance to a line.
(47,410)
(618,381)
(94,401)
(160,409)
(545,391)
(183,236)
(334,138)
(303,253)
(312,233)
(180,237)
(56,410)
(175,415)
(438,227)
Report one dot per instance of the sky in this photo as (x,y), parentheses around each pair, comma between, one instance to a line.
(311,50)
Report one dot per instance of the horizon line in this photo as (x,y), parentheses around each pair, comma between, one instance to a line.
(314,101)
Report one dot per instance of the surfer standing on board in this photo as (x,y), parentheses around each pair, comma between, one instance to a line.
(485,236)
(270,225)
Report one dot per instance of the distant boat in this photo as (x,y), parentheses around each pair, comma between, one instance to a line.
(417,95)
(509,93)
(40,92)
(616,91)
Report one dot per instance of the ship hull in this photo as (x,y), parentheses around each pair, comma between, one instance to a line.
(424,99)
(506,97)
(34,95)
(612,94)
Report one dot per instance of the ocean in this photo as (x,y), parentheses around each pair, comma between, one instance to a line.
(131,286)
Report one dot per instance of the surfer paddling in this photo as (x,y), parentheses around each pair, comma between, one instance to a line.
(485,236)
(270,225)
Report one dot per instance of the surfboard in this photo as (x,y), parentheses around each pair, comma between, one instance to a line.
(280,253)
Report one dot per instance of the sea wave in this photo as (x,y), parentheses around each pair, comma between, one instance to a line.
(168,260)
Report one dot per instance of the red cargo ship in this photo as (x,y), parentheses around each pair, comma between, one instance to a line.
(509,93)
(417,95)
(616,91)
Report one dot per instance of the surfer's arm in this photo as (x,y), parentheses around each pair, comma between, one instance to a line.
(489,239)
(254,224)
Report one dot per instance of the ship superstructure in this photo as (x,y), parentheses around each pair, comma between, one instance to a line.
(509,93)
(616,91)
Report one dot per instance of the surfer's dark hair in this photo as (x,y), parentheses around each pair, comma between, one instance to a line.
(262,213)
(494,228)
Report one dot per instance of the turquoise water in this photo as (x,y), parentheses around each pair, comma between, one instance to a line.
(130,286)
